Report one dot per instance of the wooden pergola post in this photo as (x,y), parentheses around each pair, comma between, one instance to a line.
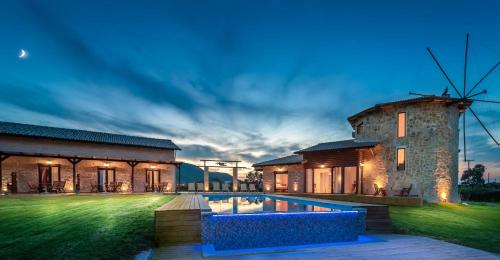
(178,182)
(132,165)
(74,162)
(3,157)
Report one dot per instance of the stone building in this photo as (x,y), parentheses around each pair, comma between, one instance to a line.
(408,144)
(36,158)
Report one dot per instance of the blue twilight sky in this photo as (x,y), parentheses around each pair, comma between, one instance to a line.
(247,80)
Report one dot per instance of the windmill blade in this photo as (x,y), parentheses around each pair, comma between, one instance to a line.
(479,93)
(481,80)
(487,101)
(444,73)
(486,129)
(465,64)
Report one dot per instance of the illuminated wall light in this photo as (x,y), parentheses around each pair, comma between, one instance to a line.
(268,187)
(444,197)
(49,162)
(106,164)
(322,166)
(361,164)
(295,186)
(153,166)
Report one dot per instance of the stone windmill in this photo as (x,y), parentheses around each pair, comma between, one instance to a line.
(467,96)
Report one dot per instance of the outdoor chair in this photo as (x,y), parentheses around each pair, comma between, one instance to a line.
(118,186)
(112,186)
(251,187)
(163,187)
(225,187)
(94,188)
(147,187)
(32,187)
(60,187)
(199,186)
(191,187)
(216,187)
(54,187)
(243,187)
(405,192)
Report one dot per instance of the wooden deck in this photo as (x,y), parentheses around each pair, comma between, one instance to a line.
(179,220)
(394,247)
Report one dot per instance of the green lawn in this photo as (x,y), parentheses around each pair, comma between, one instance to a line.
(476,225)
(79,227)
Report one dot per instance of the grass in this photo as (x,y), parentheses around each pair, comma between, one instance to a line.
(475,225)
(77,227)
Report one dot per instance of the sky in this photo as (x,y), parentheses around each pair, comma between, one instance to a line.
(244,80)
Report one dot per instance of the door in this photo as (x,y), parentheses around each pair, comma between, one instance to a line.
(350,183)
(104,177)
(152,180)
(323,180)
(47,174)
(281,181)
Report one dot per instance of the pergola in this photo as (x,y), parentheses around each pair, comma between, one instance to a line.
(220,164)
(74,160)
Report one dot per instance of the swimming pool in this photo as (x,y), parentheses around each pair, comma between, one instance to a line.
(257,221)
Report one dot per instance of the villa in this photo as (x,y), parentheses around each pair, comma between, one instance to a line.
(43,159)
(404,146)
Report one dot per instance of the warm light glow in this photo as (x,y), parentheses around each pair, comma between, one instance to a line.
(444,197)
(295,186)
(322,166)
(401,124)
(268,187)
(361,164)
(106,164)
(401,159)
(153,166)
(49,162)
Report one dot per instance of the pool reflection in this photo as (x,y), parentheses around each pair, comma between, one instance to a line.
(242,205)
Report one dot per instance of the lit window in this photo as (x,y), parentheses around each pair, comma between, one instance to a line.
(401,159)
(401,124)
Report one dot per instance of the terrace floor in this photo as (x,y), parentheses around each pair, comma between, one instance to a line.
(393,247)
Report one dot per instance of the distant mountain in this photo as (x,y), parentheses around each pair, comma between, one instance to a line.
(193,173)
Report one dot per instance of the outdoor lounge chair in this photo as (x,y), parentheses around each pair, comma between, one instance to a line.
(94,188)
(112,187)
(54,187)
(191,187)
(162,187)
(199,186)
(243,187)
(225,187)
(118,186)
(251,187)
(216,186)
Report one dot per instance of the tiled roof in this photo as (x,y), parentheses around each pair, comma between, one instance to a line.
(339,145)
(291,159)
(429,98)
(16,129)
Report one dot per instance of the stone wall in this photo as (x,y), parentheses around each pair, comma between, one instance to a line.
(295,177)
(26,169)
(431,146)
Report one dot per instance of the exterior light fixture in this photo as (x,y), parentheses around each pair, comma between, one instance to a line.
(322,166)
(49,162)
(153,166)
(106,164)
(295,186)
(361,164)
(444,197)
(268,187)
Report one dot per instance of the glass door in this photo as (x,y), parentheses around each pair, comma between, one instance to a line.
(47,174)
(309,181)
(152,179)
(281,182)
(104,177)
(350,184)
(337,180)
(323,180)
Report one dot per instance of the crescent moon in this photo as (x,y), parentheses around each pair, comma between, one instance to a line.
(23,54)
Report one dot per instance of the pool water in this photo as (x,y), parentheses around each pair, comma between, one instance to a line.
(225,204)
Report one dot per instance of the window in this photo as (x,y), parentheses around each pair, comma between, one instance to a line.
(359,129)
(281,181)
(47,175)
(401,159)
(105,176)
(401,124)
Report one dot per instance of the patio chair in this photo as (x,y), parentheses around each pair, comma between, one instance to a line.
(216,186)
(32,187)
(405,192)
(60,187)
(243,187)
(163,187)
(199,186)
(225,187)
(118,186)
(94,188)
(191,187)
(54,187)
(251,187)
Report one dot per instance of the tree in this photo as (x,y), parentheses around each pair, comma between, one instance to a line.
(254,177)
(474,176)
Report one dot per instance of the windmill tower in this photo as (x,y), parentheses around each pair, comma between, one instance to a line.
(467,96)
